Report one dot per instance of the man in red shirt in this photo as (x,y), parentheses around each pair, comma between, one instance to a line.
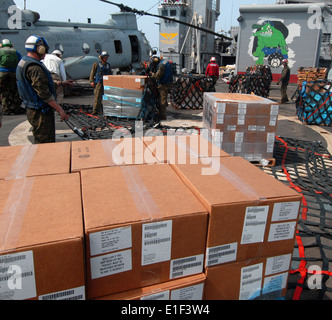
(212,70)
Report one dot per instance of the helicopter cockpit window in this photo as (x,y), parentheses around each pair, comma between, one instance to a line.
(86,48)
(98,48)
(118,46)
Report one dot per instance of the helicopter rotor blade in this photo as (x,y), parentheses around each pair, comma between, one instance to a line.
(124,8)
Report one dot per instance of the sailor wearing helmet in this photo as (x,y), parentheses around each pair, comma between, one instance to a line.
(36,88)
(99,70)
(284,80)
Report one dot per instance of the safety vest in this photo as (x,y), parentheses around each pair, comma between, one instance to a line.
(9,59)
(102,70)
(167,78)
(27,93)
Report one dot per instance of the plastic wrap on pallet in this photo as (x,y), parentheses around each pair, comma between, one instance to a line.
(188,90)
(124,103)
(314,103)
(241,125)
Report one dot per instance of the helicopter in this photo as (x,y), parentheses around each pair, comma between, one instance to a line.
(81,43)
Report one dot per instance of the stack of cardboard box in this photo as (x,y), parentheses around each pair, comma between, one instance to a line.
(311,74)
(251,233)
(241,125)
(41,225)
(142,218)
(123,95)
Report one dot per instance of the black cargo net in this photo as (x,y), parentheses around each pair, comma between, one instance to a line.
(188,91)
(314,102)
(307,168)
(257,80)
(91,127)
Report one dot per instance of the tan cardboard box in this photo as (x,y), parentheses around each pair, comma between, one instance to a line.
(134,82)
(108,153)
(114,81)
(143,226)
(182,149)
(34,160)
(131,82)
(251,214)
(238,119)
(189,288)
(262,278)
(41,238)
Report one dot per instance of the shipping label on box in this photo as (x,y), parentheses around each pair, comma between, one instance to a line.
(188,288)
(146,231)
(251,214)
(257,278)
(41,240)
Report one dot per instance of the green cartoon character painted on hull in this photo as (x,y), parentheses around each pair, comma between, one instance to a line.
(270,42)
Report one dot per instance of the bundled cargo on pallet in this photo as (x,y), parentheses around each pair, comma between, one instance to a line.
(188,90)
(314,103)
(241,125)
(143,227)
(310,74)
(253,220)
(257,80)
(123,95)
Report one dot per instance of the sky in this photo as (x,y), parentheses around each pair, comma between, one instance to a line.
(99,12)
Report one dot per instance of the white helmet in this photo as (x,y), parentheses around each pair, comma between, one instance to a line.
(213,59)
(104,54)
(6,43)
(57,53)
(37,44)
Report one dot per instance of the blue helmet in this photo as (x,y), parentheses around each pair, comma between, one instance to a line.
(37,44)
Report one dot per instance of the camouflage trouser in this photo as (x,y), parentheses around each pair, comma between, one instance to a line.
(284,97)
(43,125)
(59,89)
(163,101)
(10,98)
(98,102)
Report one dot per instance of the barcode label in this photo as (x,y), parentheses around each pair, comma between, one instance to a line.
(186,266)
(274,110)
(241,119)
(221,254)
(254,224)
(251,282)
(157,296)
(156,242)
(72,294)
(17,276)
